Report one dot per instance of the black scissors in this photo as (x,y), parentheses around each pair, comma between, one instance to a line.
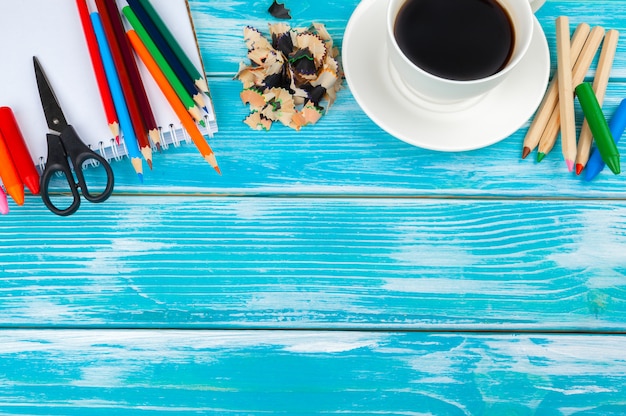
(66,150)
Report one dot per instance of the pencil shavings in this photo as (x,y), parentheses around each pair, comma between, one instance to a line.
(279,11)
(292,77)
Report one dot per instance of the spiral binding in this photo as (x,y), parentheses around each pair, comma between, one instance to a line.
(170,135)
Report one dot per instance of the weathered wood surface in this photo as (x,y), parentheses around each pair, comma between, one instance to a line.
(318,262)
(48,372)
(332,270)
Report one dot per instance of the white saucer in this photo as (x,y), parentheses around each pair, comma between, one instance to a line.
(493,117)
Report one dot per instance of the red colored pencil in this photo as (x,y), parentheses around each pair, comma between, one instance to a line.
(128,74)
(98,69)
(19,151)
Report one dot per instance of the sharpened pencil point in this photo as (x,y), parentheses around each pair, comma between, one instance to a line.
(213,162)
(140,176)
(525,152)
(32,183)
(579,168)
(613,164)
(570,165)
(540,156)
(17,193)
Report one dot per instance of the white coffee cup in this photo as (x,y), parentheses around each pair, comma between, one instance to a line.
(437,90)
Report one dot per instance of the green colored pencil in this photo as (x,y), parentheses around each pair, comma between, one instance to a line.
(178,51)
(165,67)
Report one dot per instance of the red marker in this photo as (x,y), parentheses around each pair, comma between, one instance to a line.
(19,152)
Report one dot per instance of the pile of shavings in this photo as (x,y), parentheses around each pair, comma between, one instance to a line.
(289,76)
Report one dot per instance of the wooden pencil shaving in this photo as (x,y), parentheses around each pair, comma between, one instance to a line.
(289,75)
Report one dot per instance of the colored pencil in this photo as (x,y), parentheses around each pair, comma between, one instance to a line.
(171,57)
(617,125)
(600,82)
(605,143)
(8,172)
(4,204)
(19,150)
(128,132)
(98,69)
(550,99)
(158,57)
(191,69)
(132,86)
(178,107)
(549,135)
(566,92)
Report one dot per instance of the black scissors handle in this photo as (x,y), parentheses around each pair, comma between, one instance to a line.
(66,146)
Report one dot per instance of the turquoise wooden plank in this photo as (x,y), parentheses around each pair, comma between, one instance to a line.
(219,25)
(347,154)
(48,372)
(200,262)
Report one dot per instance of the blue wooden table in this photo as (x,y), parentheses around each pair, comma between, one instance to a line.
(334,270)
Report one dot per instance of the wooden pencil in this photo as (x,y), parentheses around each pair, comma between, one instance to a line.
(165,49)
(550,99)
(98,69)
(158,57)
(550,133)
(191,69)
(600,82)
(132,86)
(566,92)
(127,130)
(178,107)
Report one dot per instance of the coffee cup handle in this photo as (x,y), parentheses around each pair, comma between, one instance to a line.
(536,4)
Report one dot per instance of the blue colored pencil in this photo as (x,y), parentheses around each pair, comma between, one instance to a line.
(617,125)
(118,97)
(167,51)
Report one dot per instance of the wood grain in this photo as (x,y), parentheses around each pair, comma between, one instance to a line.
(103,372)
(333,270)
(318,263)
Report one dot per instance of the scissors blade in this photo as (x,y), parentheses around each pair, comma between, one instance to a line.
(51,108)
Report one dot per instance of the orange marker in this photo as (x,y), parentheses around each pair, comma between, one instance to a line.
(9,175)
(19,151)
(185,118)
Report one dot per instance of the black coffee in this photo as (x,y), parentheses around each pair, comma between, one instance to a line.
(455,39)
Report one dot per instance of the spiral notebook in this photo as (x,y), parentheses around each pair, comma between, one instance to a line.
(51,30)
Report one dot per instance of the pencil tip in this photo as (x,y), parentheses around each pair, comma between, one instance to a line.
(540,156)
(149,161)
(613,164)
(32,183)
(579,168)
(525,152)
(140,176)
(570,165)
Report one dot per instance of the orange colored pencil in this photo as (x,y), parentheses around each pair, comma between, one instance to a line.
(10,177)
(98,69)
(178,107)
(125,68)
